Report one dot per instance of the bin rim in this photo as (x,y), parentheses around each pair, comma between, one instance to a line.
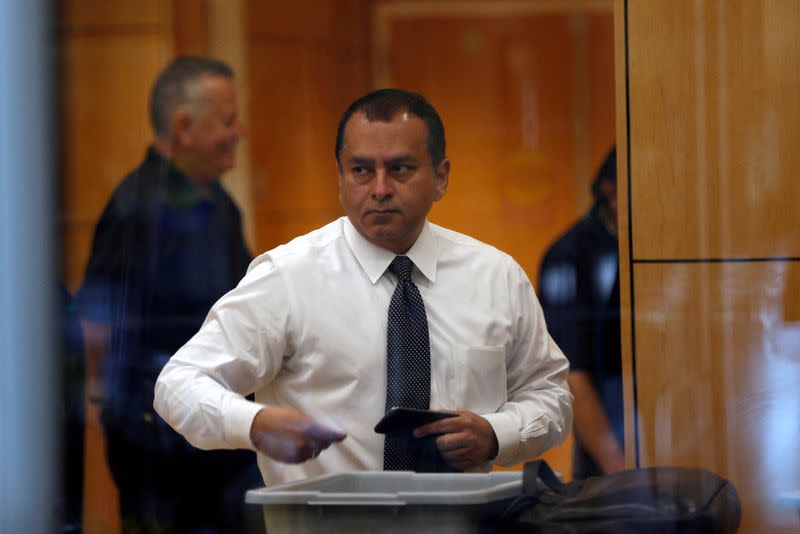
(500,485)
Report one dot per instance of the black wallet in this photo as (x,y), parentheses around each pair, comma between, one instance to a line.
(407,419)
(403,421)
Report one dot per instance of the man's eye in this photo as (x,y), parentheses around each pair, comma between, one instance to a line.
(400,169)
(360,171)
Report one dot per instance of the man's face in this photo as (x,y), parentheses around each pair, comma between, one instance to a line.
(387,183)
(212,129)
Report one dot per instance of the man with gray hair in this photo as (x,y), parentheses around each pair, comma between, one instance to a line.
(167,246)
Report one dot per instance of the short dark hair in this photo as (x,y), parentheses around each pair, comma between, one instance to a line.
(169,92)
(606,173)
(384,104)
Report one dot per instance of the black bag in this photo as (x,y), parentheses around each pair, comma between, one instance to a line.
(658,499)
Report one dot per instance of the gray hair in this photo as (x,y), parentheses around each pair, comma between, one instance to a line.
(173,89)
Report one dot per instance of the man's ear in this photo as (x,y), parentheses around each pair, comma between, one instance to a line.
(181,127)
(442,175)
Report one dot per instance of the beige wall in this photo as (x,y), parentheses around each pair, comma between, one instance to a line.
(708,119)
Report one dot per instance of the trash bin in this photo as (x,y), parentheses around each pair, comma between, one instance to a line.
(380,501)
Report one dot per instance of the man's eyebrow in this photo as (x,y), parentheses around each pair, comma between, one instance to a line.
(392,160)
(402,158)
(356,160)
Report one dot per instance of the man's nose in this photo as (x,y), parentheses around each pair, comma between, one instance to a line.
(381,187)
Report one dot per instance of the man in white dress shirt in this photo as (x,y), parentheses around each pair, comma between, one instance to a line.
(306,328)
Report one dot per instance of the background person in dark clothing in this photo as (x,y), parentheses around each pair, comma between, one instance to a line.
(579,291)
(167,246)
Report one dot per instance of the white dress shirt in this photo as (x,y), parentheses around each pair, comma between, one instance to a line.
(306,328)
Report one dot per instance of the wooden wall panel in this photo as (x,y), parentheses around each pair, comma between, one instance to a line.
(340,24)
(600,93)
(190,27)
(716,127)
(710,262)
(717,373)
(101,16)
(302,77)
(299,94)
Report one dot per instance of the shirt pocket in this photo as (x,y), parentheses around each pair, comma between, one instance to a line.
(479,378)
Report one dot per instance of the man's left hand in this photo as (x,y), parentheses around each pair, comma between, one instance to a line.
(467,440)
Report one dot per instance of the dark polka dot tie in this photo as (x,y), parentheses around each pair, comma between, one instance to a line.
(408,369)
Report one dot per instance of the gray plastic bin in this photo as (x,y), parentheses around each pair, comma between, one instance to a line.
(378,501)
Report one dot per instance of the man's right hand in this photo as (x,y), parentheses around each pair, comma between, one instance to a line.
(290,436)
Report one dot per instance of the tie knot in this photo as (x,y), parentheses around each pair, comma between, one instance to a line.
(401,266)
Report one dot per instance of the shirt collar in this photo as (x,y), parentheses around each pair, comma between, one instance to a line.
(375,260)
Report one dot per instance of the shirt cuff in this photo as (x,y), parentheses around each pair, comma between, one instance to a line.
(508,437)
(238,420)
